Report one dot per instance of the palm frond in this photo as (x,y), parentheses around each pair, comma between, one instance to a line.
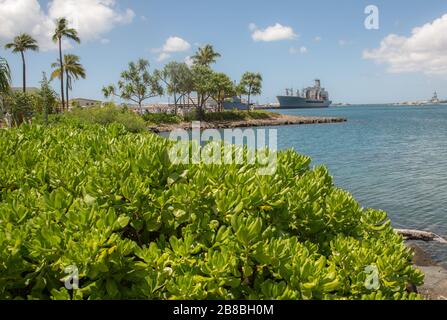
(22,43)
(5,76)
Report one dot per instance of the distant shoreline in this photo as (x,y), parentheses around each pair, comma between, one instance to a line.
(274,120)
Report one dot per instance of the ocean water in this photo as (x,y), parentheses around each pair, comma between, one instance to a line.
(391,158)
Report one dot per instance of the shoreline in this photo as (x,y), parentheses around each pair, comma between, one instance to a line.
(435,283)
(274,120)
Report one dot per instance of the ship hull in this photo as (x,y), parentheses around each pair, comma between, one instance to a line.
(290,102)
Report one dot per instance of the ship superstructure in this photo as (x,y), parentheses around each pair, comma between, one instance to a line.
(311,97)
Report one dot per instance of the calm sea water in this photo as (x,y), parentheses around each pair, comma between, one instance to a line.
(390,158)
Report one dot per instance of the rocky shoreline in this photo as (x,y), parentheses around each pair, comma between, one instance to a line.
(435,284)
(274,120)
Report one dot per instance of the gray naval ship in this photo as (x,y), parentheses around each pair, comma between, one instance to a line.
(311,97)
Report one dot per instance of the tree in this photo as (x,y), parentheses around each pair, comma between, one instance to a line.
(21,44)
(20,106)
(205,56)
(73,71)
(63,31)
(5,76)
(252,85)
(176,76)
(202,77)
(136,84)
(222,88)
(48,97)
(5,83)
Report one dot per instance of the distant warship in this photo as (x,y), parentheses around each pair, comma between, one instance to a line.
(312,97)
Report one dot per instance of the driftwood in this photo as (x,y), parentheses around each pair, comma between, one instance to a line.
(421,235)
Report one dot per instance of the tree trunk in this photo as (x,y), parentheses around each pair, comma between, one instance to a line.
(249,97)
(175,102)
(66,89)
(201,109)
(24,71)
(62,74)
(420,235)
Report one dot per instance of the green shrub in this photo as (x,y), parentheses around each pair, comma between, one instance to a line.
(162,118)
(20,106)
(261,114)
(190,116)
(230,115)
(138,227)
(226,116)
(101,115)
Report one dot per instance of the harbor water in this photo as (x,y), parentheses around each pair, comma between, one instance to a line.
(392,158)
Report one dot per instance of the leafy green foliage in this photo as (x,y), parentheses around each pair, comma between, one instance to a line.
(137,227)
(20,106)
(47,99)
(137,84)
(161,118)
(230,115)
(177,78)
(222,88)
(5,76)
(102,115)
(205,56)
(251,84)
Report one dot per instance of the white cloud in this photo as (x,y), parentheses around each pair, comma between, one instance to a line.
(92,18)
(172,45)
(272,33)
(317,39)
(301,50)
(424,51)
(176,44)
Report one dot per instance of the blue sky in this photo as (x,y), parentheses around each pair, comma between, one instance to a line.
(329,43)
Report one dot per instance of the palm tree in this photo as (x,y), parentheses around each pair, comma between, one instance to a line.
(5,76)
(21,44)
(62,30)
(72,69)
(205,56)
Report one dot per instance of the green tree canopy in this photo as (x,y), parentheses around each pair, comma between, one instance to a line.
(20,105)
(222,88)
(22,43)
(137,84)
(73,71)
(251,84)
(5,76)
(47,96)
(206,56)
(202,84)
(177,77)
